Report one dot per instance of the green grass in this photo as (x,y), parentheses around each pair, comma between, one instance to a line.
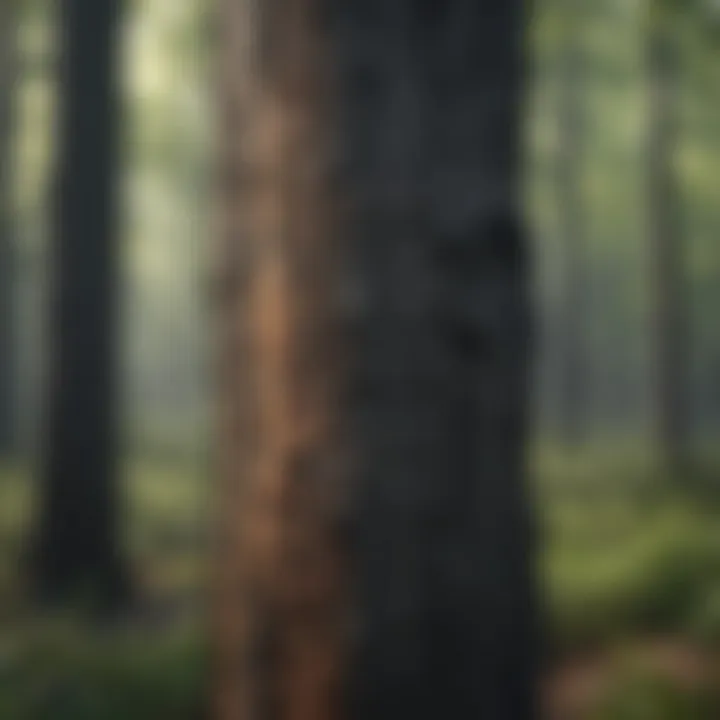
(152,669)
(638,693)
(165,507)
(67,672)
(624,555)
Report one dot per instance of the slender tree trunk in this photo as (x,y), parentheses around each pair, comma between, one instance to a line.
(432,298)
(574,380)
(666,247)
(8,344)
(78,550)
(280,586)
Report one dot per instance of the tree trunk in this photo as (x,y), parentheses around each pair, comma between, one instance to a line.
(443,537)
(667,257)
(78,550)
(280,585)
(573,363)
(8,341)
(424,279)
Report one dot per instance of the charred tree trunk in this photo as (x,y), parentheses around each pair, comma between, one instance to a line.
(8,343)
(424,278)
(443,537)
(78,549)
(666,248)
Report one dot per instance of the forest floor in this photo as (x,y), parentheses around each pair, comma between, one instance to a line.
(630,566)
(643,678)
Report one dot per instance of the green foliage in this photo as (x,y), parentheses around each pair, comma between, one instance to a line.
(641,694)
(650,586)
(69,673)
(704,620)
(150,667)
(165,528)
(625,554)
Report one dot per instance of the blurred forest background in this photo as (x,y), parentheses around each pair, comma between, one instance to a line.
(623,194)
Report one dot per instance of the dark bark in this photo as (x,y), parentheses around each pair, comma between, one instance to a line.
(667,253)
(8,344)
(78,551)
(444,565)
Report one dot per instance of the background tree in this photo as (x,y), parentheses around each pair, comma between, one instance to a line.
(574,376)
(701,42)
(8,86)
(78,549)
(667,250)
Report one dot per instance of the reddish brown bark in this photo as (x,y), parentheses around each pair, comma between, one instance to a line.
(281,574)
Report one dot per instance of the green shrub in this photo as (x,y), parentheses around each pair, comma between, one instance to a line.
(636,694)
(704,621)
(647,579)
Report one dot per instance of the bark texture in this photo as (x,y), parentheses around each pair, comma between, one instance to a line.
(421,277)
(443,536)
(78,548)
(281,584)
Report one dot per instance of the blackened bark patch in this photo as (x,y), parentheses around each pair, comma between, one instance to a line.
(443,536)
(475,272)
